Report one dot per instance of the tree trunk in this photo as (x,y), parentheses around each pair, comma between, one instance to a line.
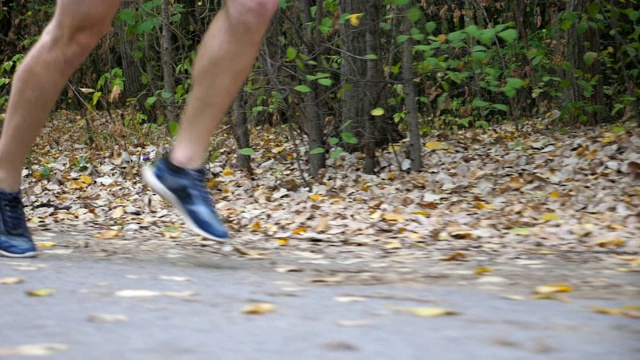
(241,131)
(167,64)
(415,140)
(314,117)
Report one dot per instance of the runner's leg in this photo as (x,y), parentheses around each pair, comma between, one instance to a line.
(76,28)
(225,58)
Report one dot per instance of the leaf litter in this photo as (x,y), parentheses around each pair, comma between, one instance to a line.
(485,198)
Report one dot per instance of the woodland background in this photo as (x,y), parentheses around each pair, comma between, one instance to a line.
(357,75)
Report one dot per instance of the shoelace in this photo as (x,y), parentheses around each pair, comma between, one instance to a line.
(13,210)
(201,190)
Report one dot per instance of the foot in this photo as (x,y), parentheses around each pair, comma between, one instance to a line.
(15,239)
(185,189)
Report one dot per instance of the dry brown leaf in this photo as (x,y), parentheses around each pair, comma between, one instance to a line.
(457,256)
(553,288)
(259,309)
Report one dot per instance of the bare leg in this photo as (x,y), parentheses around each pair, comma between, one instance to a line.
(224,60)
(76,28)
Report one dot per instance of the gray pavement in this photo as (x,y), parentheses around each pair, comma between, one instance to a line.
(196,313)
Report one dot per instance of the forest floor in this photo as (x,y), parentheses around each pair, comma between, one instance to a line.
(512,215)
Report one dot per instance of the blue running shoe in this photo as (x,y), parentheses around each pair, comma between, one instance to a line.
(185,189)
(15,239)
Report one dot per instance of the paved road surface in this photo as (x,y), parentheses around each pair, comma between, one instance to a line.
(196,313)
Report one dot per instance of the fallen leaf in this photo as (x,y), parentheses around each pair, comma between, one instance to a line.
(41,292)
(550,297)
(107,318)
(45,244)
(33,350)
(109,234)
(328,280)
(436,145)
(482,270)
(315,197)
(513,297)
(117,213)
(322,225)
(259,309)
(227,172)
(550,217)
(520,231)
(11,281)
(553,288)
(602,310)
(424,311)
(605,243)
(346,299)
(174,278)
(85,179)
(457,256)
(137,293)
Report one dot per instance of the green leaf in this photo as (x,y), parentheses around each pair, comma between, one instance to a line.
(402,38)
(414,14)
(456,36)
(302,88)
(338,152)
(590,58)
(377,112)
(594,9)
(479,103)
(173,128)
(333,141)
(317,151)
(430,27)
(246,151)
(371,57)
(325,82)
(349,138)
(514,83)
(291,53)
(502,107)
(509,35)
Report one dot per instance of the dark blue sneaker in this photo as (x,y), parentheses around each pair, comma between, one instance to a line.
(15,239)
(185,189)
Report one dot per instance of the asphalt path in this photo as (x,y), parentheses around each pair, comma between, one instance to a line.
(194,309)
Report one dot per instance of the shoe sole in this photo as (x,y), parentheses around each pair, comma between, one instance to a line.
(25,255)
(150,178)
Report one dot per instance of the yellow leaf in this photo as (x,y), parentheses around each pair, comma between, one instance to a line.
(259,309)
(212,183)
(85,179)
(601,310)
(609,139)
(354,19)
(46,244)
(11,281)
(117,213)
(482,270)
(395,148)
(300,230)
(553,288)
(436,145)
(171,234)
(322,225)
(555,195)
(617,227)
(482,206)
(377,112)
(423,213)
(454,257)
(283,242)
(392,245)
(75,184)
(609,243)
(442,38)
(315,197)
(41,292)
(424,311)
(550,297)
(228,172)
(109,234)
(591,154)
(279,149)
(394,216)
(520,231)
(256,226)
(550,217)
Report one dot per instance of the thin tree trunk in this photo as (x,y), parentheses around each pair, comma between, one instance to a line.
(415,141)
(315,124)
(241,131)
(167,64)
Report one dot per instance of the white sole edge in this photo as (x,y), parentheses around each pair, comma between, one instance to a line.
(158,187)
(18,256)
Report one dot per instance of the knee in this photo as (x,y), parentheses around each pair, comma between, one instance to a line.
(74,45)
(250,13)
